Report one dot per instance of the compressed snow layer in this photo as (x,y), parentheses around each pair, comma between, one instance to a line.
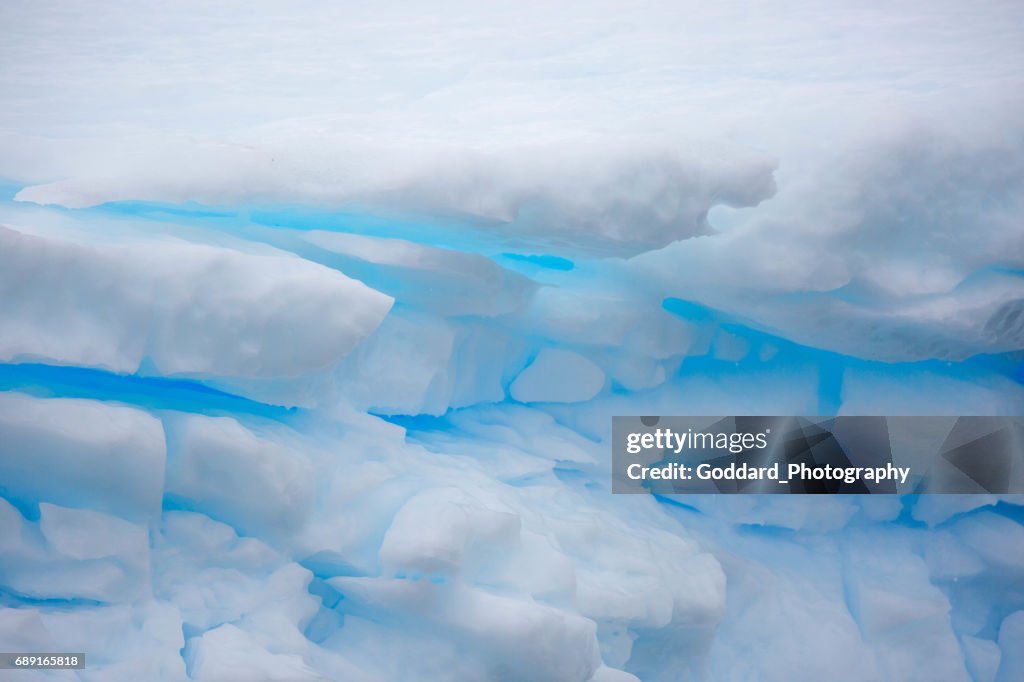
(568,133)
(186,308)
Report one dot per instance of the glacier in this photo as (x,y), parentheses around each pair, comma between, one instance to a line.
(313,320)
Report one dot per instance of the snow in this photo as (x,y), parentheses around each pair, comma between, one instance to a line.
(313,319)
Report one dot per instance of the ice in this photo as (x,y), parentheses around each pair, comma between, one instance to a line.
(998,541)
(730,347)
(939,509)
(637,373)
(898,611)
(214,576)
(23,629)
(205,462)
(1011,636)
(404,367)
(313,321)
(105,335)
(445,281)
(558,376)
(184,308)
(477,377)
(122,642)
(74,554)
(606,674)
(510,637)
(474,536)
(81,453)
(914,390)
(982,658)
(137,641)
(433,531)
(84,534)
(578,315)
(836,640)
(864,263)
(227,653)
